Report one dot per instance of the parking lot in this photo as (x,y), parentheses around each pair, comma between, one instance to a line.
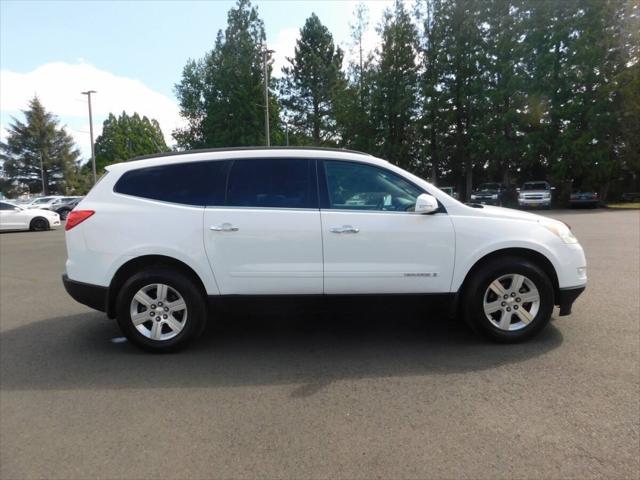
(322,396)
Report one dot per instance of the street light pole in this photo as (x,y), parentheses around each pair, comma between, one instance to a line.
(93,152)
(265,52)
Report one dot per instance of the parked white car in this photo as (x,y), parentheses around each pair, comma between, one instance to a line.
(43,203)
(159,240)
(14,217)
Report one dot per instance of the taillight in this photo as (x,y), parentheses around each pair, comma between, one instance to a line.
(76,217)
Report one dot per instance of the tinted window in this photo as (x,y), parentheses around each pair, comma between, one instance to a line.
(279,183)
(192,183)
(6,206)
(355,186)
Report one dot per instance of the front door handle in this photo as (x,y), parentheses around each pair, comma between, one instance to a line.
(344,229)
(225,227)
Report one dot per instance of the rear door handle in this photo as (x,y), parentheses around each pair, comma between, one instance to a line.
(344,229)
(225,227)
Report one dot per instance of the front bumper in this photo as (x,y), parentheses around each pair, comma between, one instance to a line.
(525,202)
(566,297)
(93,296)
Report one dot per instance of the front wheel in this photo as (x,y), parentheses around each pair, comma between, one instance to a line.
(39,224)
(509,300)
(161,309)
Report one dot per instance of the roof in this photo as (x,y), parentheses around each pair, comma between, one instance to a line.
(239,149)
(243,152)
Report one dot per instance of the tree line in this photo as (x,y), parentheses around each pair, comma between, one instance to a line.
(457,91)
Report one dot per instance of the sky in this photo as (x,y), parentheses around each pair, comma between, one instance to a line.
(132,52)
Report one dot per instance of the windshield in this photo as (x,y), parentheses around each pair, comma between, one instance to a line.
(535,186)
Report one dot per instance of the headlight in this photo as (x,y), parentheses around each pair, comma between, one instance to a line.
(563,232)
(473,197)
(521,195)
(494,197)
(546,195)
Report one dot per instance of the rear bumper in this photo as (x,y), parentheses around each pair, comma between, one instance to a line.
(93,296)
(566,297)
(584,201)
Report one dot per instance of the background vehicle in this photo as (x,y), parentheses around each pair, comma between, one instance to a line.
(584,199)
(13,217)
(535,194)
(450,191)
(42,202)
(491,194)
(236,227)
(64,205)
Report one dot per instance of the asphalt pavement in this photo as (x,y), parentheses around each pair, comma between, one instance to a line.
(305,395)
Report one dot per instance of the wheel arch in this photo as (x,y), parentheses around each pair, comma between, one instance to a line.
(532,255)
(140,263)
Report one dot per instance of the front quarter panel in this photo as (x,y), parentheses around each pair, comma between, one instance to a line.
(477,237)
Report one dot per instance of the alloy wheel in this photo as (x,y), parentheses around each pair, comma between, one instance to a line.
(511,302)
(158,312)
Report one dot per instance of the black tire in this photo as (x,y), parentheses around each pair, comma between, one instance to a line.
(39,224)
(474,292)
(194,298)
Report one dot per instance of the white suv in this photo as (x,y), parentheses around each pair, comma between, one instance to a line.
(160,240)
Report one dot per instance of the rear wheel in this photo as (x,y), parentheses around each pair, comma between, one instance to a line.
(39,224)
(161,309)
(509,300)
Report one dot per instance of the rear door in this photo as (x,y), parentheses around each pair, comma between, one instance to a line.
(265,238)
(373,241)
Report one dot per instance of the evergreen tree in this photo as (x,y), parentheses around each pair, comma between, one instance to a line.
(312,82)
(38,152)
(464,87)
(221,96)
(396,88)
(501,138)
(125,137)
(431,125)
(354,103)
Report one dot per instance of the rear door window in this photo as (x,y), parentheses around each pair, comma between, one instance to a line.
(192,183)
(273,183)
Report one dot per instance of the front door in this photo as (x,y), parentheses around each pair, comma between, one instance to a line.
(265,239)
(11,217)
(374,242)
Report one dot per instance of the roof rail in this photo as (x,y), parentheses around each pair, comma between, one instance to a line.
(235,149)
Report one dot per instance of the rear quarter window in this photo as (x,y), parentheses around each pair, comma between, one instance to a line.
(192,183)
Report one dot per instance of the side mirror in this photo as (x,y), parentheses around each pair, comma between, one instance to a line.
(517,189)
(553,188)
(426,203)
(16,209)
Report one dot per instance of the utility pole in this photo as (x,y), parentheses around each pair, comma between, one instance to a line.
(44,192)
(266,52)
(286,126)
(93,151)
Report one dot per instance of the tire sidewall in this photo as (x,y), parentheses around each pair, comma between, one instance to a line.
(474,299)
(192,295)
(34,224)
